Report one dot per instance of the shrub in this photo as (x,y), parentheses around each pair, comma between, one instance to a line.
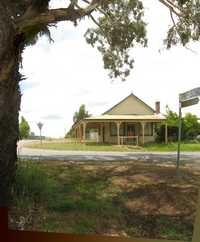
(172,133)
(198,138)
(190,127)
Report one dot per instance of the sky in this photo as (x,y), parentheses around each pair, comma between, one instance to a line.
(62,75)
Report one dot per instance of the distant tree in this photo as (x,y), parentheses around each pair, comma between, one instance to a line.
(70,133)
(172,123)
(78,115)
(32,134)
(81,114)
(191,126)
(172,117)
(24,129)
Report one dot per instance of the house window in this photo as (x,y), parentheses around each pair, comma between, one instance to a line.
(148,129)
(113,129)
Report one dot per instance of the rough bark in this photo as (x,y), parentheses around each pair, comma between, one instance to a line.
(12,29)
(9,102)
(31,18)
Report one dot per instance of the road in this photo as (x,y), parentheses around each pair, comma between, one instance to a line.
(83,156)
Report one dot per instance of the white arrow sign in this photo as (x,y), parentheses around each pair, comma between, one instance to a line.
(189,102)
(186,99)
(189,94)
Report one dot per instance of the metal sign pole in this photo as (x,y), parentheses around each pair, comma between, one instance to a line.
(179,140)
(40,136)
(40,125)
(186,99)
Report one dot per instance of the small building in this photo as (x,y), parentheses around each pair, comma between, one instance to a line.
(131,121)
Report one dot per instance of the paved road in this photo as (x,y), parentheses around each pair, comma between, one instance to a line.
(38,154)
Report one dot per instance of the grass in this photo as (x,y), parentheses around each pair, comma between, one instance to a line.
(33,182)
(123,199)
(108,147)
(172,147)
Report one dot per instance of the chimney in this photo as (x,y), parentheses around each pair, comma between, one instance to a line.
(157,107)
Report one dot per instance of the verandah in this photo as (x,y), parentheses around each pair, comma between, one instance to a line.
(119,132)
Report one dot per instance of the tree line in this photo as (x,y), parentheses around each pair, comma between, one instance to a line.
(78,115)
(24,129)
(190,127)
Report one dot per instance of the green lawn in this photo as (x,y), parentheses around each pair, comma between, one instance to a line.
(172,147)
(109,147)
(122,199)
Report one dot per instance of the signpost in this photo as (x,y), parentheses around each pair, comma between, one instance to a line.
(189,94)
(40,125)
(186,99)
(189,102)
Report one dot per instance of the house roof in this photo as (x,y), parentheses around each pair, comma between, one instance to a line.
(150,116)
(130,118)
(154,117)
(138,99)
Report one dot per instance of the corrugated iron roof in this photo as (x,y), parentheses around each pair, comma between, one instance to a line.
(127,117)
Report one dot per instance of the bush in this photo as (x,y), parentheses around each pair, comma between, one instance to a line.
(172,133)
(190,127)
(198,138)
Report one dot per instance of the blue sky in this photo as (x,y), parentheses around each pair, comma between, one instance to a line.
(67,73)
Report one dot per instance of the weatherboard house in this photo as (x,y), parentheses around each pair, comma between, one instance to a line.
(131,121)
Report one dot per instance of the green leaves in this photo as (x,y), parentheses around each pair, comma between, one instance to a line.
(81,114)
(120,27)
(24,128)
(172,117)
(32,35)
(191,126)
(186,25)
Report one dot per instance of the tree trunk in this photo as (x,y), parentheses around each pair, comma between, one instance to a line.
(9,102)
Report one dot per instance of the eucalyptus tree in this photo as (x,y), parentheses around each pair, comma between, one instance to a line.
(81,114)
(119,27)
(24,129)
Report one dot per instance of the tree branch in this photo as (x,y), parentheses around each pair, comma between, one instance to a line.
(174,23)
(172,7)
(99,9)
(54,16)
(172,18)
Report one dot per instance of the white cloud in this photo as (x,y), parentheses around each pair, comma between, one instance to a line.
(52,117)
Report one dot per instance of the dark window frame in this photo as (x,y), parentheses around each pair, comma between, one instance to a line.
(121,131)
(145,130)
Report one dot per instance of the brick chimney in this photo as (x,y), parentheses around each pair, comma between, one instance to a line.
(157,107)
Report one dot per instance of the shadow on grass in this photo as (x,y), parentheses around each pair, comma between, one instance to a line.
(126,200)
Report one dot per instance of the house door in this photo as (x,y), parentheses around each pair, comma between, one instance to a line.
(130,129)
